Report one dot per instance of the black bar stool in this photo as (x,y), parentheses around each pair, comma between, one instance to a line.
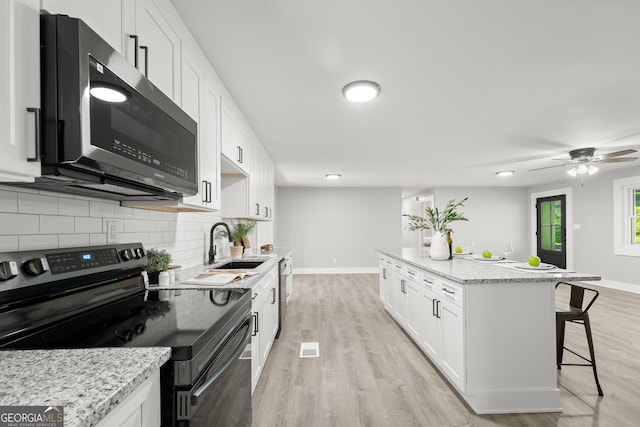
(574,313)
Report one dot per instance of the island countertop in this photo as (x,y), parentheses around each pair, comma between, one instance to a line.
(89,383)
(465,270)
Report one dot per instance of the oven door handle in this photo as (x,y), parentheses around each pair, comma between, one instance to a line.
(236,354)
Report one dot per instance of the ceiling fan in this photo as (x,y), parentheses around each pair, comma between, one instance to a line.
(581,160)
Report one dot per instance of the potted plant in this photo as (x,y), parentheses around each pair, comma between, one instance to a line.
(438,221)
(239,236)
(158,260)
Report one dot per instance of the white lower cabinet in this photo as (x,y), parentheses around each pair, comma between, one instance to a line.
(430,309)
(264,307)
(141,408)
(385,290)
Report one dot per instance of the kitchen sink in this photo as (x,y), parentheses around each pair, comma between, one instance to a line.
(245,265)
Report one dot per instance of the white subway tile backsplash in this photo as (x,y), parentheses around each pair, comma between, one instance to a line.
(88,225)
(155,238)
(141,214)
(97,239)
(73,207)
(8,201)
(100,209)
(41,220)
(57,224)
(16,224)
(40,241)
(73,240)
(9,244)
(37,204)
(132,225)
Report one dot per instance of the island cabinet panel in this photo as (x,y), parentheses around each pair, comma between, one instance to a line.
(493,339)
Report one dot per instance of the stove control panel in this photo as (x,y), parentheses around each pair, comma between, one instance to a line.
(31,267)
(64,262)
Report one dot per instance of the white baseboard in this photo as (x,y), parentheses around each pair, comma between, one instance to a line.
(348,270)
(612,284)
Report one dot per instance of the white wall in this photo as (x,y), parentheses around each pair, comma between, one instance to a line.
(345,224)
(593,211)
(495,214)
(32,220)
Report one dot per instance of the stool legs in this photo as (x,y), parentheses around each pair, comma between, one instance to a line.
(587,328)
(559,341)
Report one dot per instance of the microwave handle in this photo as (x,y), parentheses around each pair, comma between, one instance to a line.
(36,157)
(135,49)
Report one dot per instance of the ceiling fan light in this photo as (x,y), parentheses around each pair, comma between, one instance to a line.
(361,91)
(592,169)
(572,171)
(582,169)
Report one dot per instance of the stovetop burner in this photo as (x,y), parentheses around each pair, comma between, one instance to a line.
(73,333)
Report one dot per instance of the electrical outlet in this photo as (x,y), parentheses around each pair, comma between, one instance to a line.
(112,231)
(335,260)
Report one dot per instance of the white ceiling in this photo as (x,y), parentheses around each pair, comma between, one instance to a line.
(468,87)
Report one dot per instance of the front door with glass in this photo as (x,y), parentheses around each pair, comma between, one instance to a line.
(551,230)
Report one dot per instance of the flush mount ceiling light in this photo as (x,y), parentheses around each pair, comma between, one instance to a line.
(108,93)
(361,91)
(582,169)
(505,173)
(333,176)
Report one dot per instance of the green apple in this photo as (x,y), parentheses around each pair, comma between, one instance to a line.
(534,261)
(487,254)
(458,250)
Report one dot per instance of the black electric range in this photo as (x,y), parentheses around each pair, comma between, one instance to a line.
(95,297)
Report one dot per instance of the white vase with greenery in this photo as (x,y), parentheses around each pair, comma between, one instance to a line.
(438,221)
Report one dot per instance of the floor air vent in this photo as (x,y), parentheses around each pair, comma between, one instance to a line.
(309,349)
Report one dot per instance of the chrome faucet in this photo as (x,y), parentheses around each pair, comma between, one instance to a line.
(212,248)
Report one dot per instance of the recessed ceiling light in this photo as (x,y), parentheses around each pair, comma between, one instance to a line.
(361,91)
(505,173)
(333,176)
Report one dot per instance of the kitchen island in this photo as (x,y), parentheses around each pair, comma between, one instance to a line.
(96,387)
(489,328)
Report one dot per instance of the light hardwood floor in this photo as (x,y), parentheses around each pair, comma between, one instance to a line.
(369,372)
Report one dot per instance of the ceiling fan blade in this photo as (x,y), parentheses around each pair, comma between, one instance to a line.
(617,153)
(618,160)
(548,167)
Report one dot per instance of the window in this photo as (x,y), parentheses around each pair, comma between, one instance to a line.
(626,216)
(636,215)
(551,225)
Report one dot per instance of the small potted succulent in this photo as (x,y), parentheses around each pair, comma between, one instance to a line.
(158,261)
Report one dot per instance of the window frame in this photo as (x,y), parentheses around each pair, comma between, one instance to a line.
(624,216)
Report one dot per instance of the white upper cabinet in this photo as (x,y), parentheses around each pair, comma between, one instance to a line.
(20,88)
(235,139)
(103,16)
(153,47)
(200,101)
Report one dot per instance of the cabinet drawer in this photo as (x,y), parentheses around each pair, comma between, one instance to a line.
(428,280)
(411,273)
(452,292)
(397,265)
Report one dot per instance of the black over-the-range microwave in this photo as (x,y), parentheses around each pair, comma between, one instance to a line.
(107,131)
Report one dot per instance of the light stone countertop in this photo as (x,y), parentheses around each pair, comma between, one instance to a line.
(464,270)
(270,260)
(89,383)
